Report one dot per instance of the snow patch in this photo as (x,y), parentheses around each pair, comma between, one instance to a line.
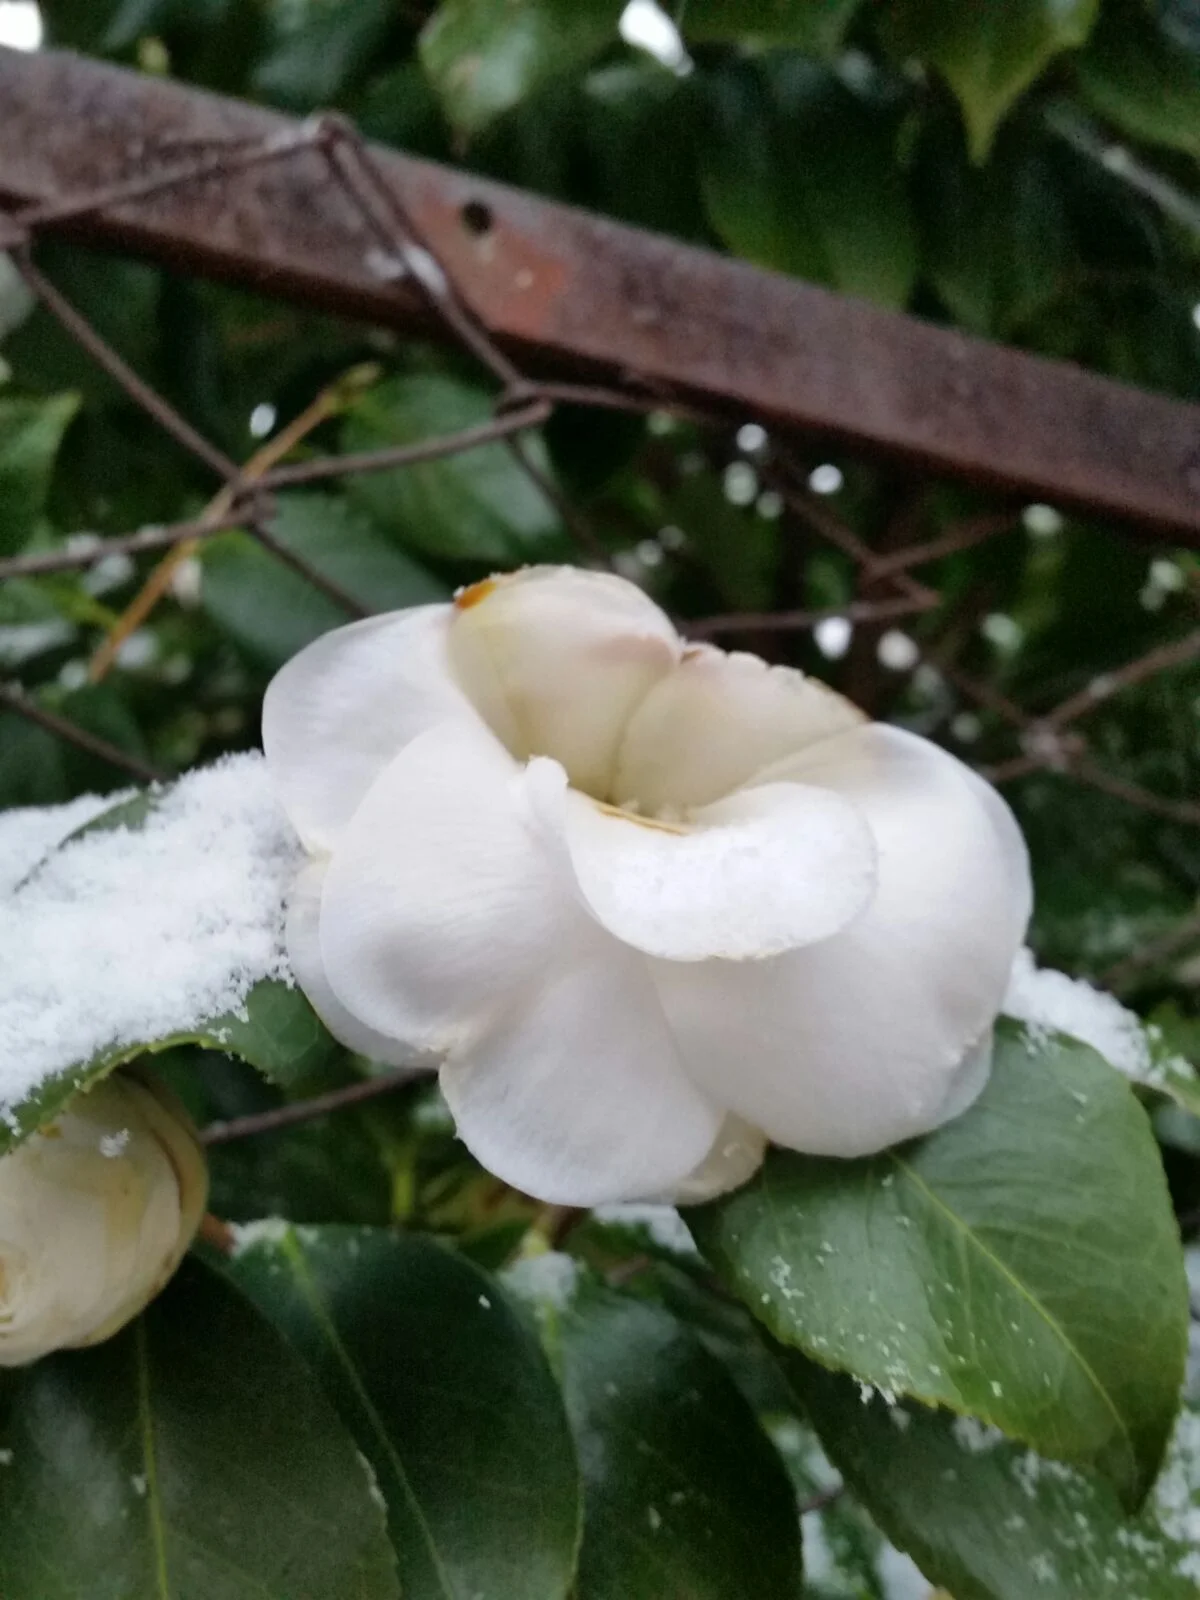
(130,935)
(662,1224)
(1176,1497)
(975,1437)
(545,1280)
(262,1231)
(1048,1001)
(30,833)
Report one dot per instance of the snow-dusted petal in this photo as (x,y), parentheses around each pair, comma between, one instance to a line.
(557,659)
(576,1094)
(304,953)
(735,1157)
(874,1035)
(764,871)
(716,720)
(338,712)
(443,897)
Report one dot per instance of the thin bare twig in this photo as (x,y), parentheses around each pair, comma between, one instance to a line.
(103,354)
(341,597)
(1086,771)
(299,1111)
(576,525)
(1108,684)
(16,700)
(407,455)
(1167,944)
(797,621)
(330,400)
(964,536)
(142,542)
(414,262)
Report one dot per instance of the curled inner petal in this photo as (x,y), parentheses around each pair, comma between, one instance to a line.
(762,872)
(714,721)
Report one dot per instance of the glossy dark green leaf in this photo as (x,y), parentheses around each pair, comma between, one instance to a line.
(684,1495)
(783,193)
(135,19)
(274,611)
(193,1457)
(477,506)
(31,432)
(976,1268)
(989,1519)
(483,59)
(989,54)
(996,240)
(813,25)
(1139,77)
(280,1034)
(319,58)
(449,1398)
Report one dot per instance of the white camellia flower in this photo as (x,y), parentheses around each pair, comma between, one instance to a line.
(650,903)
(96,1212)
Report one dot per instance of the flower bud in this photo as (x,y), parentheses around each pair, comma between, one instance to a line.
(96,1212)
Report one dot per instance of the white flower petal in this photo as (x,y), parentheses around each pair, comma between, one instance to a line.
(762,872)
(338,712)
(443,897)
(576,1095)
(556,659)
(304,953)
(855,1043)
(969,1079)
(717,719)
(735,1157)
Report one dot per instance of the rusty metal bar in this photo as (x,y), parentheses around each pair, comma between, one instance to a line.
(569,293)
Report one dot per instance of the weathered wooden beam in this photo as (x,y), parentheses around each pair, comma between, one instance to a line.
(563,291)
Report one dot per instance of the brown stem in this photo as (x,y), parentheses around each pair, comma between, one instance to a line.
(133,544)
(449,444)
(217,1233)
(321,1105)
(793,621)
(14,699)
(1154,950)
(102,353)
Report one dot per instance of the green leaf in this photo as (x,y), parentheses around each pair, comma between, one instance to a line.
(321,56)
(1170,1073)
(683,1492)
(1021,1265)
(280,1034)
(996,240)
(1136,75)
(276,1031)
(989,1519)
(784,194)
(478,506)
(813,25)
(448,1396)
(989,54)
(193,1457)
(31,432)
(484,58)
(273,611)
